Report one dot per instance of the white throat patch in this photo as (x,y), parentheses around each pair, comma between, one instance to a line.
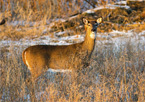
(27,62)
(93,35)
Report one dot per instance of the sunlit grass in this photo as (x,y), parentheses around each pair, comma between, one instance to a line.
(114,75)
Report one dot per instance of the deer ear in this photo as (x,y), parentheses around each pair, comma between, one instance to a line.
(85,21)
(99,20)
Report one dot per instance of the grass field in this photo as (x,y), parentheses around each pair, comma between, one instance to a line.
(114,75)
(116,72)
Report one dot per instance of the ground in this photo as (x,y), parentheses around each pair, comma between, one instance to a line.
(117,70)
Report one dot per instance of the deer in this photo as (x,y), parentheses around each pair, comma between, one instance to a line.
(39,58)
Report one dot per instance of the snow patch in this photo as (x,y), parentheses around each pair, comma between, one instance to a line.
(121,2)
(44,40)
(142,33)
(63,32)
(109,6)
(59,70)
(116,32)
(60,20)
(89,11)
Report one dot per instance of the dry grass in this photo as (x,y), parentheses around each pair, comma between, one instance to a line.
(114,75)
(36,15)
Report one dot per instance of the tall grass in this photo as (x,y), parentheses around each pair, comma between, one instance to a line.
(115,75)
(39,16)
(39,9)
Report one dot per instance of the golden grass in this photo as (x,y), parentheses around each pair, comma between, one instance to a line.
(114,75)
(39,12)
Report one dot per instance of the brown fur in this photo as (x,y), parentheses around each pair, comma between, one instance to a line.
(39,58)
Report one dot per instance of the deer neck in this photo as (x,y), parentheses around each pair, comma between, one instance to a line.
(89,41)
